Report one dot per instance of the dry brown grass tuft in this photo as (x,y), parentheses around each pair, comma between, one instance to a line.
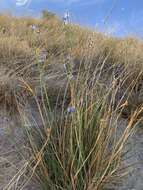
(20,48)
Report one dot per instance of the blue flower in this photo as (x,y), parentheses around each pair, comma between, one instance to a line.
(71,109)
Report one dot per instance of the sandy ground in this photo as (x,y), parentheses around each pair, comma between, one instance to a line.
(134,179)
(132,160)
(14,154)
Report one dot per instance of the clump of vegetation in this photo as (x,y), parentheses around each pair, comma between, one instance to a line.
(80,147)
(47,15)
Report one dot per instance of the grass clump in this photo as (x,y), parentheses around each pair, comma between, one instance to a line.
(80,147)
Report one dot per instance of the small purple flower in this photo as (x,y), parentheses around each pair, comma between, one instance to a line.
(33,27)
(71,109)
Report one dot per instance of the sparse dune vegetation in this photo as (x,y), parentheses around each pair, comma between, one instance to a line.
(70,102)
